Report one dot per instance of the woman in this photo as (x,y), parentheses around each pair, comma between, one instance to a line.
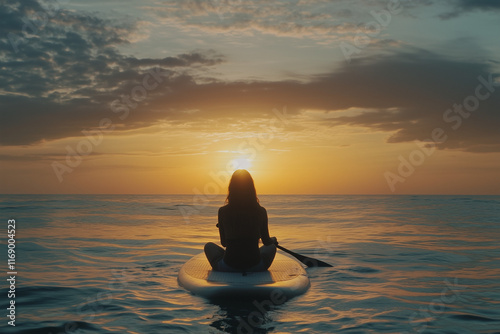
(242,222)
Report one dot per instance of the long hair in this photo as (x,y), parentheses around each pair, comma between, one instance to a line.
(241,190)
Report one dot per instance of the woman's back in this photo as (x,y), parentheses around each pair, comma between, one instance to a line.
(240,230)
(242,223)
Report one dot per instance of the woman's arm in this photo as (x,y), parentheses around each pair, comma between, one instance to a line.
(264,229)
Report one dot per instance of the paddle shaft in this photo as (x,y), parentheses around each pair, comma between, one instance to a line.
(308,261)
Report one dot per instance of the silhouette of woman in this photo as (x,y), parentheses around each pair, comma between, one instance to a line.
(242,222)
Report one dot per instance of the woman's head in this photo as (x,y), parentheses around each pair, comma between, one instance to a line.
(242,189)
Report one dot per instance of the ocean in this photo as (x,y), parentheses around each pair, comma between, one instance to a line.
(109,264)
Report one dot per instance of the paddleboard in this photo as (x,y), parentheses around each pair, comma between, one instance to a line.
(285,278)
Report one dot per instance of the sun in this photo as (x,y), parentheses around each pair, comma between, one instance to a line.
(241,163)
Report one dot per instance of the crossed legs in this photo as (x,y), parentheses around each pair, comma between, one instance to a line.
(215,254)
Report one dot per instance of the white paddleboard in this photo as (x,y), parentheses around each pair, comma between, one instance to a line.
(286,278)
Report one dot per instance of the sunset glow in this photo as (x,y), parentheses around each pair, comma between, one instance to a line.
(344,97)
(242,163)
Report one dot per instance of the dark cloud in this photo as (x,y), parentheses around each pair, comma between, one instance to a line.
(413,93)
(479,4)
(464,6)
(60,70)
(407,94)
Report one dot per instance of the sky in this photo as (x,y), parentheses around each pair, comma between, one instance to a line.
(311,96)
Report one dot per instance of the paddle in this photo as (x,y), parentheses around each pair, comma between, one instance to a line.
(308,261)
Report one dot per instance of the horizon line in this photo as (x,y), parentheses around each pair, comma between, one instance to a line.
(264,194)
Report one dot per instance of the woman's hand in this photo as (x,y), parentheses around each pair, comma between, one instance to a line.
(275,241)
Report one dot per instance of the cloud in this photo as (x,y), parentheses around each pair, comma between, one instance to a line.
(63,80)
(479,4)
(405,94)
(315,19)
(418,92)
(60,70)
(465,6)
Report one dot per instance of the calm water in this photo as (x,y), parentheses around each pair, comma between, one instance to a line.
(108,264)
